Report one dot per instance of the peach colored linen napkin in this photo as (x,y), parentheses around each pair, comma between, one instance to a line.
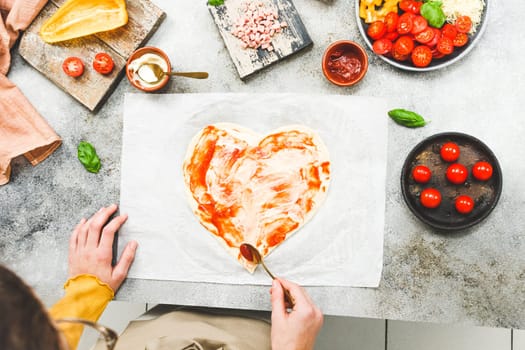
(22,128)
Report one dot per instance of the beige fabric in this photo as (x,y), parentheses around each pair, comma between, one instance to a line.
(176,330)
(22,128)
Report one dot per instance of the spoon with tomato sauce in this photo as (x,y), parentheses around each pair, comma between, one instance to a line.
(251,254)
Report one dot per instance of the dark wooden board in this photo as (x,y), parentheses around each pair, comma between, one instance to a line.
(292,39)
(92,88)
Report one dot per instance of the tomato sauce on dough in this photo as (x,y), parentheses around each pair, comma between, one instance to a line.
(255,192)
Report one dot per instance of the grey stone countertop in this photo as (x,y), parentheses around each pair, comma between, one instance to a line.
(476,276)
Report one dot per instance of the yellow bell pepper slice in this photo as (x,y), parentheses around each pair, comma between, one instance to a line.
(77,18)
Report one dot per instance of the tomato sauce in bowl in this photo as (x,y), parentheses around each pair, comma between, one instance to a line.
(345,63)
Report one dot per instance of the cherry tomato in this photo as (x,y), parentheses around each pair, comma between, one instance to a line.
(421,56)
(411,6)
(392,36)
(445,45)
(460,40)
(425,36)
(421,174)
(391,19)
(463,24)
(398,57)
(73,66)
(436,54)
(382,46)
(430,198)
(405,23)
(449,152)
(482,171)
(376,30)
(464,204)
(437,34)
(449,30)
(404,45)
(457,173)
(103,63)
(419,24)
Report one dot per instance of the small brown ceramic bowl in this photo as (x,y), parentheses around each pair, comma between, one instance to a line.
(135,80)
(344,63)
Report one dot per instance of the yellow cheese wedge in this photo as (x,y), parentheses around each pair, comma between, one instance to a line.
(77,18)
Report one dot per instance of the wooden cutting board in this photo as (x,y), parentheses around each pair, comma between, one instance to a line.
(292,39)
(92,88)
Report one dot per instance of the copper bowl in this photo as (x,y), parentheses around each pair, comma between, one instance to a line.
(136,82)
(344,63)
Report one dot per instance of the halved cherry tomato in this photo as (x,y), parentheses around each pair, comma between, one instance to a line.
(391,19)
(425,36)
(464,204)
(382,46)
(376,30)
(411,6)
(398,57)
(419,24)
(430,198)
(404,45)
(436,54)
(437,34)
(392,36)
(73,66)
(103,63)
(445,45)
(449,152)
(405,23)
(460,40)
(421,174)
(482,171)
(449,30)
(463,24)
(457,173)
(421,56)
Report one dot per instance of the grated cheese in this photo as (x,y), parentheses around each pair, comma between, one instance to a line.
(471,8)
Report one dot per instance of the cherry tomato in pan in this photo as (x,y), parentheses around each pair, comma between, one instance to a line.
(382,46)
(430,198)
(73,66)
(463,24)
(460,40)
(421,174)
(464,204)
(449,152)
(391,19)
(457,173)
(421,56)
(103,63)
(482,171)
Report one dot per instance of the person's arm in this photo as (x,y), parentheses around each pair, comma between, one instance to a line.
(92,280)
(297,329)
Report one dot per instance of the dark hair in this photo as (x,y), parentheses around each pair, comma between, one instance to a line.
(24,321)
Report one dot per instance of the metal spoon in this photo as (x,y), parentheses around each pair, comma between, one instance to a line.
(159,73)
(250,253)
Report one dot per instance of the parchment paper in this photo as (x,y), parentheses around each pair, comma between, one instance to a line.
(341,246)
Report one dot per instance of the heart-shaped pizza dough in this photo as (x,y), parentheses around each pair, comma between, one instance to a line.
(246,188)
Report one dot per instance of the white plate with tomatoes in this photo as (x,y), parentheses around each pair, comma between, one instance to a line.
(451,181)
(408,41)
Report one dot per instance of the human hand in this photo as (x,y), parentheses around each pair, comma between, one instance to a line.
(91,252)
(295,330)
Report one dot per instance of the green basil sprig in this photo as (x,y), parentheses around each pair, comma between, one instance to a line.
(215,2)
(407,118)
(87,155)
(433,13)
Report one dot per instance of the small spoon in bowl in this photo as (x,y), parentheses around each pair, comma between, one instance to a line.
(250,253)
(153,73)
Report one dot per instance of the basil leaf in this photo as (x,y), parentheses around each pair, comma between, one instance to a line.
(215,2)
(433,13)
(87,155)
(407,118)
